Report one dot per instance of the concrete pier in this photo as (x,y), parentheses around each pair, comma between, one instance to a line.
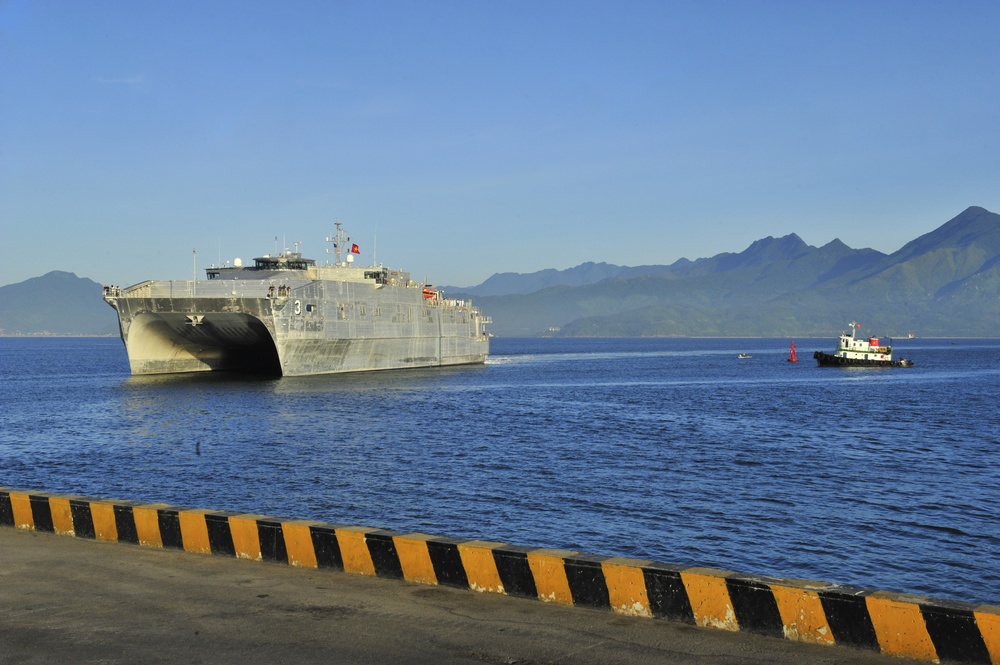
(78,600)
(784,610)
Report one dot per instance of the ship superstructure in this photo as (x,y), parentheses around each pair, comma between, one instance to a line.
(285,315)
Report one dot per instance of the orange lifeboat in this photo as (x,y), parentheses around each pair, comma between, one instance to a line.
(429,292)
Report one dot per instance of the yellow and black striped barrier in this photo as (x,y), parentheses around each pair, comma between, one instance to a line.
(896,624)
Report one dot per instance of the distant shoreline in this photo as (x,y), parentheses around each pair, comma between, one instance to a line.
(63,335)
(805,336)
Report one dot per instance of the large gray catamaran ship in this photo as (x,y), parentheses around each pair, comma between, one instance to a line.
(287,316)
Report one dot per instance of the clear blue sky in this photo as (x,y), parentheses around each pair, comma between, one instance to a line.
(474,137)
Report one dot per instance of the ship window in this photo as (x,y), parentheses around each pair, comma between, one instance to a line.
(310,308)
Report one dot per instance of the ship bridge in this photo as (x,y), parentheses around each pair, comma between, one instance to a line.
(263,267)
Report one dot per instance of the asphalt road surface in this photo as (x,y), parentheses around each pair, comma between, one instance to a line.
(65,599)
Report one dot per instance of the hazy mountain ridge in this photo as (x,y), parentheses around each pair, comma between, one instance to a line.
(946,282)
(512,283)
(57,303)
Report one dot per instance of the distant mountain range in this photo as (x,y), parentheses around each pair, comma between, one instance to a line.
(944,283)
(57,303)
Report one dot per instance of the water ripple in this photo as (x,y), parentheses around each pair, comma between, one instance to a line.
(670,450)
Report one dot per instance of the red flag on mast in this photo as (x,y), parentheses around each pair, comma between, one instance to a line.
(355,250)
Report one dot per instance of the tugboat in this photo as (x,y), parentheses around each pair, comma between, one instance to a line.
(853,351)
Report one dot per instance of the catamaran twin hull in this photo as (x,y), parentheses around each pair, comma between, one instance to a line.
(301,327)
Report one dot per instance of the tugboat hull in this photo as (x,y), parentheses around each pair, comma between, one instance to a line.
(830,360)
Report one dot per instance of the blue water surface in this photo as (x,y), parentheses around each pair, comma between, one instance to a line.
(665,449)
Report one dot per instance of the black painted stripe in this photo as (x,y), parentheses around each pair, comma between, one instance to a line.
(6,509)
(447,562)
(83,519)
(515,573)
(170,528)
(952,626)
(755,607)
(326,546)
(41,513)
(272,541)
(955,633)
(847,614)
(220,536)
(668,598)
(586,581)
(125,525)
(383,553)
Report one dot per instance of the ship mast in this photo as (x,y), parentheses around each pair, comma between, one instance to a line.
(338,243)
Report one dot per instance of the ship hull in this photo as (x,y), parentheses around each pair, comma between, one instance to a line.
(830,360)
(312,328)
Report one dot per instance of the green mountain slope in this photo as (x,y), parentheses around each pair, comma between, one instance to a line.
(946,282)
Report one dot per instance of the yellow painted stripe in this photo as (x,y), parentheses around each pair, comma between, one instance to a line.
(194,531)
(354,550)
(246,540)
(802,615)
(900,628)
(21,507)
(626,587)
(989,628)
(147,525)
(62,516)
(103,515)
(299,544)
(480,566)
(414,558)
(548,567)
(710,602)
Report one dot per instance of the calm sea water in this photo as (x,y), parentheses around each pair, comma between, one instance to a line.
(667,449)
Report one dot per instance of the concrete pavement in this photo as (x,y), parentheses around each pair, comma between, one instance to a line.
(71,599)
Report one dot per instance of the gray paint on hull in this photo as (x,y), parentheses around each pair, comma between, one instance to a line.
(318,328)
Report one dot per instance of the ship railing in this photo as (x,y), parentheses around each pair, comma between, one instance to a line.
(462,304)
(140,290)
(227,288)
(456,303)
